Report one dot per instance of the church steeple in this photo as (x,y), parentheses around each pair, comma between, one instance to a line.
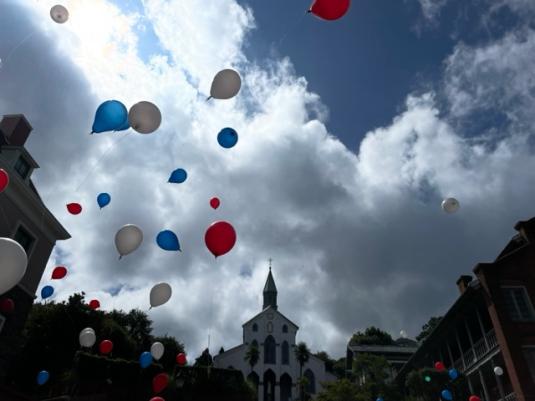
(270,291)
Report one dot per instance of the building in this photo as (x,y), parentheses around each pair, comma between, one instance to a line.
(396,354)
(491,324)
(25,218)
(277,371)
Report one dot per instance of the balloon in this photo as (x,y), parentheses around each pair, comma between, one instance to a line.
(439,366)
(181,359)
(379,399)
(157,350)
(109,116)
(103,199)
(330,9)
(7,305)
(145,359)
(220,238)
(124,126)
(157,399)
(47,291)
(42,377)
(446,394)
(105,347)
(160,382)
(178,176)
(144,117)
(128,239)
(59,14)
(450,205)
(160,294)
(227,138)
(453,374)
(403,334)
(474,398)
(87,337)
(214,202)
(59,272)
(427,379)
(498,371)
(13,260)
(226,84)
(168,241)
(94,304)
(4,180)
(74,208)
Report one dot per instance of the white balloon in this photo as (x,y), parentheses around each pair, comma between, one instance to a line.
(13,262)
(128,239)
(144,117)
(450,205)
(160,294)
(87,338)
(157,350)
(403,334)
(498,371)
(226,84)
(59,14)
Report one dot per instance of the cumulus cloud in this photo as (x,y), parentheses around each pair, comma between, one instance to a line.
(357,238)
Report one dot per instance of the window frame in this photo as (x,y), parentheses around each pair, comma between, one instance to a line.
(21,159)
(527,298)
(285,328)
(254,327)
(33,245)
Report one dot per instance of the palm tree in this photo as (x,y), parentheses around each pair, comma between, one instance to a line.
(302,354)
(252,356)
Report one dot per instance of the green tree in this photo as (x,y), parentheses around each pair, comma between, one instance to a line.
(340,369)
(372,336)
(252,356)
(204,360)
(302,354)
(428,328)
(373,372)
(342,390)
(329,362)
(172,349)
(427,383)
(221,350)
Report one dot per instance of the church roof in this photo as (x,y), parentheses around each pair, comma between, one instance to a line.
(272,310)
(270,283)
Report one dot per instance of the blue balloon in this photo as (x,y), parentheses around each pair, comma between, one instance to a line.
(124,126)
(178,176)
(168,241)
(42,377)
(109,116)
(446,394)
(453,374)
(145,359)
(227,138)
(47,292)
(379,399)
(103,199)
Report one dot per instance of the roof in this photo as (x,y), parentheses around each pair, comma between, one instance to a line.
(273,310)
(270,283)
(396,349)
(232,350)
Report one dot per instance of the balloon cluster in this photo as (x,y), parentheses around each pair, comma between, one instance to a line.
(144,117)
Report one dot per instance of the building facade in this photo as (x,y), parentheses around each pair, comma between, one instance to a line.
(492,324)
(277,372)
(24,218)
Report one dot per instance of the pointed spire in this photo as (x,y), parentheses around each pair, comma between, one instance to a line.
(270,291)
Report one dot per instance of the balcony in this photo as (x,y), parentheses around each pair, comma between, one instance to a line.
(480,350)
(509,397)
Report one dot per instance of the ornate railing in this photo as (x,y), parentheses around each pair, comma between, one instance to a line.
(480,349)
(509,397)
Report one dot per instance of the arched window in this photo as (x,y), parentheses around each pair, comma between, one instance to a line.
(284,328)
(286,387)
(255,327)
(285,353)
(311,385)
(270,355)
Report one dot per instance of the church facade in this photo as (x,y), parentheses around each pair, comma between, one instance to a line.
(277,372)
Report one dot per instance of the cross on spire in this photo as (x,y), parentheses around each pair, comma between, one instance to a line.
(270,260)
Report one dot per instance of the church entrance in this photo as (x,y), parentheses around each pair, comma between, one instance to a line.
(286,387)
(269,385)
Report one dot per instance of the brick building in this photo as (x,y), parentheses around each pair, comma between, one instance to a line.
(24,218)
(491,324)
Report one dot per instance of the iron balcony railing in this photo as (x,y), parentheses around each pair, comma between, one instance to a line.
(509,397)
(480,349)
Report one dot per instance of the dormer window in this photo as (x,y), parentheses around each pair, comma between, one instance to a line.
(22,167)
(255,327)
(25,239)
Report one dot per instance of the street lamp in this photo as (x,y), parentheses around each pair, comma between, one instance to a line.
(498,371)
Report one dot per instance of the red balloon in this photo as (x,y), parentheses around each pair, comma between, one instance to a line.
(220,238)
(94,304)
(4,180)
(74,208)
(7,305)
(59,272)
(105,347)
(330,9)
(157,399)
(160,382)
(181,359)
(439,366)
(474,398)
(214,202)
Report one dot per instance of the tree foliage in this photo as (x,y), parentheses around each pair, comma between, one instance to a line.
(372,336)
(341,390)
(428,328)
(252,356)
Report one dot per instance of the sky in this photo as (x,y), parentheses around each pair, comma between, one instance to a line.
(351,133)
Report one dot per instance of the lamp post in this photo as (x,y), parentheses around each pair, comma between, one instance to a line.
(498,371)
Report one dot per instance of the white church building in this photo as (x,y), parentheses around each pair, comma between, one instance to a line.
(277,372)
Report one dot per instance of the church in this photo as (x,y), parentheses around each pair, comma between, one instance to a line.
(276,374)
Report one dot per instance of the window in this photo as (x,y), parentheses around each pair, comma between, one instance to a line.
(269,327)
(529,355)
(311,385)
(25,239)
(270,350)
(518,304)
(285,353)
(255,327)
(22,167)
(284,328)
